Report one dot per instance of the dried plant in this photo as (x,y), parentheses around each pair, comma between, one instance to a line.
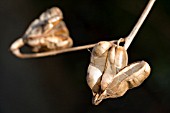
(109,75)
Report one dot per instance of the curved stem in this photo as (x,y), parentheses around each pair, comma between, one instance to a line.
(50,53)
(136,28)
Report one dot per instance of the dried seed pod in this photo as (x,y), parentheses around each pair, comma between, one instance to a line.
(129,77)
(97,65)
(44,22)
(116,60)
(121,58)
(101,48)
(102,68)
(133,75)
(110,69)
(93,78)
(46,33)
(108,74)
(140,70)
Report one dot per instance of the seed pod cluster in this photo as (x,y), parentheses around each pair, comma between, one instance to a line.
(108,74)
(46,33)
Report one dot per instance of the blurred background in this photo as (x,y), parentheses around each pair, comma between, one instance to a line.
(57,84)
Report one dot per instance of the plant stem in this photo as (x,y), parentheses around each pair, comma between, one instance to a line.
(136,28)
(53,52)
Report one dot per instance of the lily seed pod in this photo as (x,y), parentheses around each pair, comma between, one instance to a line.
(101,48)
(110,69)
(131,76)
(121,58)
(46,33)
(97,65)
(109,76)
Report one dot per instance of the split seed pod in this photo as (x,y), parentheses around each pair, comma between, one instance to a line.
(108,74)
(97,65)
(46,33)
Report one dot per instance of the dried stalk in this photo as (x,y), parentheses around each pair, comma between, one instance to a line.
(128,39)
(54,52)
(136,28)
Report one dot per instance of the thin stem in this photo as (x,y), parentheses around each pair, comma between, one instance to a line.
(49,53)
(53,52)
(136,28)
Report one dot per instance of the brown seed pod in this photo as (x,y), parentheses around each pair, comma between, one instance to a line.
(46,33)
(109,76)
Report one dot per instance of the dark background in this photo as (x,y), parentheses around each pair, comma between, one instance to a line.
(57,84)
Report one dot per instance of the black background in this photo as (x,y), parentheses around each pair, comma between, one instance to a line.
(57,84)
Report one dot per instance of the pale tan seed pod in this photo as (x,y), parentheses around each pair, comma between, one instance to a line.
(103,66)
(101,48)
(129,77)
(93,78)
(117,59)
(97,65)
(112,53)
(139,76)
(107,76)
(45,34)
(110,69)
(121,58)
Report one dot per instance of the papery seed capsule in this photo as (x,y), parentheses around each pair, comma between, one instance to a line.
(101,48)
(46,33)
(93,77)
(99,55)
(140,72)
(117,59)
(121,58)
(107,76)
(131,76)
(97,65)
(112,53)
(110,69)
